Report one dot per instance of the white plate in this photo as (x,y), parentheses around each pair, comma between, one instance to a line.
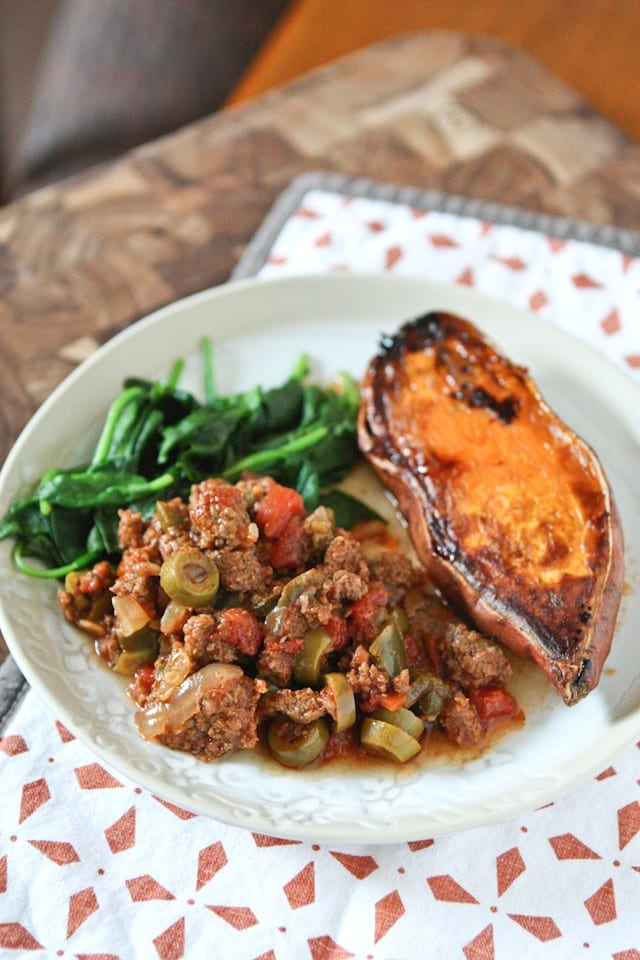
(259,328)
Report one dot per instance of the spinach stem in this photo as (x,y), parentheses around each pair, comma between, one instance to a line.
(300,367)
(176,372)
(114,414)
(262,458)
(53,573)
(209,383)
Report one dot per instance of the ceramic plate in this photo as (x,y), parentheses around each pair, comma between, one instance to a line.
(259,328)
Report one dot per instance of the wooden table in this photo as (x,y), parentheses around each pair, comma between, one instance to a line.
(463,114)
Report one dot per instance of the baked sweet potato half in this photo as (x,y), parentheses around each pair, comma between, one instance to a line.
(510,512)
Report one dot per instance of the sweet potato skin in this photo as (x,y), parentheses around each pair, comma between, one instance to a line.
(509,510)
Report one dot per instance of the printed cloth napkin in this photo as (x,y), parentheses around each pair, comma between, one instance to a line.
(93,866)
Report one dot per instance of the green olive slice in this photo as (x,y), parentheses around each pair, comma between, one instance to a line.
(129,660)
(429,694)
(296,744)
(309,663)
(168,515)
(403,718)
(388,649)
(345,702)
(386,740)
(190,577)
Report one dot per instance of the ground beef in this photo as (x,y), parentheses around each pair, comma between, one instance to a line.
(137,576)
(254,489)
(241,570)
(370,683)
(202,641)
(395,570)
(345,553)
(319,527)
(472,660)
(275,662)
(460,721)
(225,636)
(131,529)
(218,515)
(302,706)
(282,573)
(226,720)
(344,587)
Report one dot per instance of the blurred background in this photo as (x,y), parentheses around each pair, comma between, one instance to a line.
(84,80)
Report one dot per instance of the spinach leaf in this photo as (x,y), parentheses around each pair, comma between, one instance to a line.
(158,439)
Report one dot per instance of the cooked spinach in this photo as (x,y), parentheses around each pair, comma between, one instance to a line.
(158,439)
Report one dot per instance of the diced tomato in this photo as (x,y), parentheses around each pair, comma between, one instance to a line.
(241,629)
(277,508)
(336,627)
(390,701)
(393,701)
(145,677)
(368,612)
(493,703)
(290,549)
(290,645)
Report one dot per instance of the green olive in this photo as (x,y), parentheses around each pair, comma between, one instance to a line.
(386,740)
(168,515)
(399,617)
(296,744)
(144,638)
(345,701)
(129,660)
(190,577)
(309,662)
(388,649)
(402,718)
(429,694)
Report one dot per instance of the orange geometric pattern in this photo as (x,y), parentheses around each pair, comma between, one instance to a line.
(170,943)
(57,851)
(325,948)
(601,905)
(92,776)
(542,928)
(237,917)
(146,888)
(34,794)
(509,866)
(300,891)
(121,835)
(628,823)
(446,888)
(357,865)
(481,947)
(388,911)
(13,745)
(211,859)
(568,847)
(81,906)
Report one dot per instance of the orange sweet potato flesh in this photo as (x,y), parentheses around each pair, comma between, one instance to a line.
(510,512)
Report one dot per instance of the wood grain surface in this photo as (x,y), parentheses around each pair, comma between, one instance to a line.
(82,259)
(590,44)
